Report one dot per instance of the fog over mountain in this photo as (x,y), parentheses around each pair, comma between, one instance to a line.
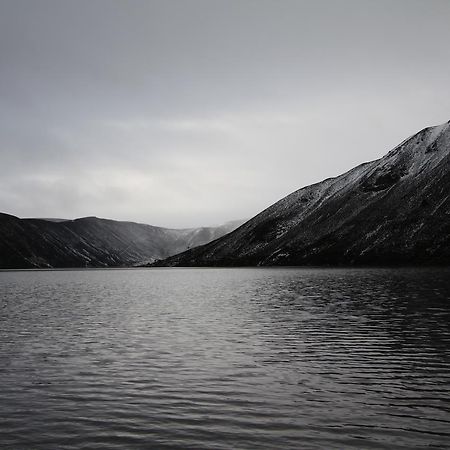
(189,113)
(395,210)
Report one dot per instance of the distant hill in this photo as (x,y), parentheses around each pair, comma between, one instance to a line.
(93,242)
(395,210)
(51,219)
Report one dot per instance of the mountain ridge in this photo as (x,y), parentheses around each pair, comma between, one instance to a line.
(379,212)
(93,242)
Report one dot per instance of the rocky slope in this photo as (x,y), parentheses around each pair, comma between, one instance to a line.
(395,210)
(93,242)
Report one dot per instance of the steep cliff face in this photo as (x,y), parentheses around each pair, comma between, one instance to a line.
(395,210)
(92,242)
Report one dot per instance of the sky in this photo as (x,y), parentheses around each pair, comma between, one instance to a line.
(185,113)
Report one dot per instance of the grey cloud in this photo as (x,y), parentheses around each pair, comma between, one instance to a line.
(185,113)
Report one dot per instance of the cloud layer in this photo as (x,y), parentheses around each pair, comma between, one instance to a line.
(186,113)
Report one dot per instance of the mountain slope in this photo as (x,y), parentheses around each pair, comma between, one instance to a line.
(92,242)
(395,210)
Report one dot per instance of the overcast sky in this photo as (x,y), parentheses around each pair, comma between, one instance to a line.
(191,112)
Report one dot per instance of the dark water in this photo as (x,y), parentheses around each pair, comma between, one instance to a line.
(225,359)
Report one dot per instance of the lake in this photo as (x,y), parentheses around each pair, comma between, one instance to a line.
(286,358)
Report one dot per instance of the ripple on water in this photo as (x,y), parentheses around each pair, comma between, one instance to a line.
(225,358)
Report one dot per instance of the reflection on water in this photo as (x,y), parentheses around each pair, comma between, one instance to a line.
(225,358)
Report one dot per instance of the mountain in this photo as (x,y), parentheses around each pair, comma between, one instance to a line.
(93,242)
(395,210)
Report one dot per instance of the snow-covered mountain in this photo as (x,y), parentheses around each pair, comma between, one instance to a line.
(395,210)
(93,242)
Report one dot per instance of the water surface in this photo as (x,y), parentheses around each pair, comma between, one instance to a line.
(225,359)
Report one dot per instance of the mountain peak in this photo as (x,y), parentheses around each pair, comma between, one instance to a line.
(394,210)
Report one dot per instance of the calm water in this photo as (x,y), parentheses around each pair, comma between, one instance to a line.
(225,359)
